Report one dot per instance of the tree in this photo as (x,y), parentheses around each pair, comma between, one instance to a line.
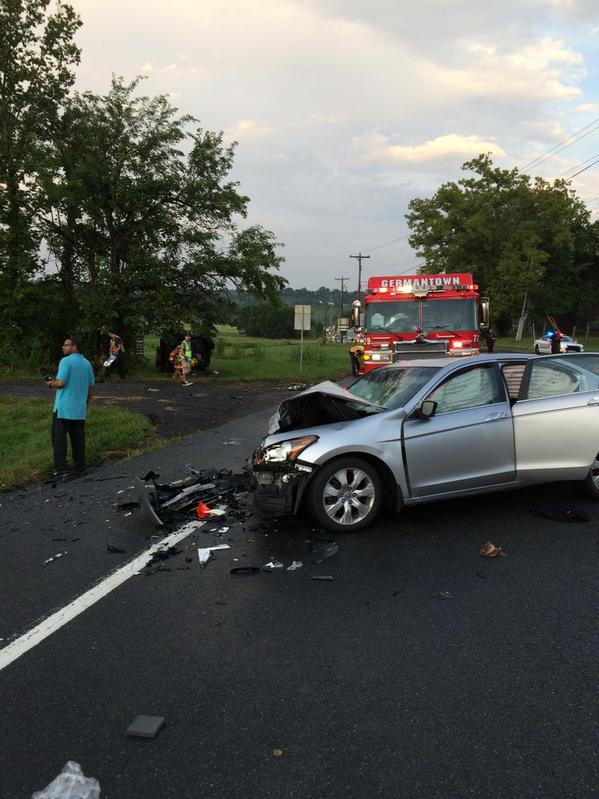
(267,320)
(37,57)
(515,235)
(142,215)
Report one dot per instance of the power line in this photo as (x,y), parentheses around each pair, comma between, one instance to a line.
(582,163)
(554,150)
(380,246)
(583,170)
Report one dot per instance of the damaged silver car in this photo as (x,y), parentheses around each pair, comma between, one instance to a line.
(422,431)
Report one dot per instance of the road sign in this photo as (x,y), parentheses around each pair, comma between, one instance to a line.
(302,317)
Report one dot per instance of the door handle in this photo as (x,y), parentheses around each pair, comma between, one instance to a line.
(495,417)
(593,401)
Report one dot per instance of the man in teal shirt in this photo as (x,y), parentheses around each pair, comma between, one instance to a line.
(74,381)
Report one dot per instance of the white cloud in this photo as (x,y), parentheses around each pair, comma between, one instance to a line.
(375,147)
(147,67)
(245,129)
(586,107)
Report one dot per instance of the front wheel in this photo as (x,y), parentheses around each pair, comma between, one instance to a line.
(346,495)
(591,481)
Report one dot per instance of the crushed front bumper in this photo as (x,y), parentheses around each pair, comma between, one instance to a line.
(280,487)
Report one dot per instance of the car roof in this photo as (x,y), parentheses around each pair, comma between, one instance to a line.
(444,362)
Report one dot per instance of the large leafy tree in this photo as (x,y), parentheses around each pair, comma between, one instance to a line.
(143,217)
(517,235)
(37,60)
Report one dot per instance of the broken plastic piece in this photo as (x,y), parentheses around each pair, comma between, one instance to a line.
(115,550)
(245,570)
(217,512)
(204,556)
(53,558)
(489,550)
(71,782)
(145,726)
(442,595)
(326,552)
(202,510)
(273,564)
(297,564)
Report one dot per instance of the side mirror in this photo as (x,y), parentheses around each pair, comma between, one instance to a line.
(426,409)
(484,313)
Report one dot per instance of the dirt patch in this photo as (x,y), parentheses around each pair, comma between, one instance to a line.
(173,408)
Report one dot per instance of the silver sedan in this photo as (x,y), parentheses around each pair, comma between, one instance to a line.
(422,431)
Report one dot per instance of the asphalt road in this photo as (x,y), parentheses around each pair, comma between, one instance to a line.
(420,670)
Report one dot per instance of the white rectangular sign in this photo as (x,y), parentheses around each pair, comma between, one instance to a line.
(302,317)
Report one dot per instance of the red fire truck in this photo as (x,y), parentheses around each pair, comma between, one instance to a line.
(420,316)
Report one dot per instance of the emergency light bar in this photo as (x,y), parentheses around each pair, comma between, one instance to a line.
(421,291)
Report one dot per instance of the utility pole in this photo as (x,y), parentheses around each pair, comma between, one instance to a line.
(342,279)
(359,257)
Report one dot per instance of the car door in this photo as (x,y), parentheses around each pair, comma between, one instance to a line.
(469,442)
(556,421)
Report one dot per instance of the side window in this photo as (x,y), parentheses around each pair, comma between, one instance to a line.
(468,389)
(551,378)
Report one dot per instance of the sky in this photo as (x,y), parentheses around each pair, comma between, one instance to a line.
(345,110)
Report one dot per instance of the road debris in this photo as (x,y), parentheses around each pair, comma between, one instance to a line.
(71,782)
(54,557)
(442,595)
(273,564)
(240,570)
(560,513)
(326,552)
(204,553)
(115,550)
(297,564)
(277,753)
(322,577)
(489,550)
(145,726)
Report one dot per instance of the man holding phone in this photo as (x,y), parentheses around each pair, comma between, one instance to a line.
(73,383)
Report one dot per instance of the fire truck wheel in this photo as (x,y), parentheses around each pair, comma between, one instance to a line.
(346,495)
(591,481)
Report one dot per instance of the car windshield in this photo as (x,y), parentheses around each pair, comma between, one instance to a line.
(453,315)
(392,317)
(392,387)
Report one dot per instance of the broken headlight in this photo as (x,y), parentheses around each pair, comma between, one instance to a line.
(284,450)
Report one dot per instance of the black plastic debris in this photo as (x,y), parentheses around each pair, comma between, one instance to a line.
(165,503)
(127,505)
(560,513)
(163,554)
(114,550)
(241,570)
(145,726)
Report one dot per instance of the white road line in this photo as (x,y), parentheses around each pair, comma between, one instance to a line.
(61,617)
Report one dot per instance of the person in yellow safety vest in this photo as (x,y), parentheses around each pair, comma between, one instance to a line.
(356,354)
(187,353)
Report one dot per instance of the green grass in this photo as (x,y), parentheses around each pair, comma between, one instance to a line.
(239,357)
(26,450)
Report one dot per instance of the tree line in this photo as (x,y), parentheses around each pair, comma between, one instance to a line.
(115,210)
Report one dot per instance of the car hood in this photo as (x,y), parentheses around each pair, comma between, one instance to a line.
(324,403)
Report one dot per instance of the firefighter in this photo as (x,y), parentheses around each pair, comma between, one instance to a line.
(356,355)
(556,341)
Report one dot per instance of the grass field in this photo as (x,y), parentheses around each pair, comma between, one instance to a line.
(26,450)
